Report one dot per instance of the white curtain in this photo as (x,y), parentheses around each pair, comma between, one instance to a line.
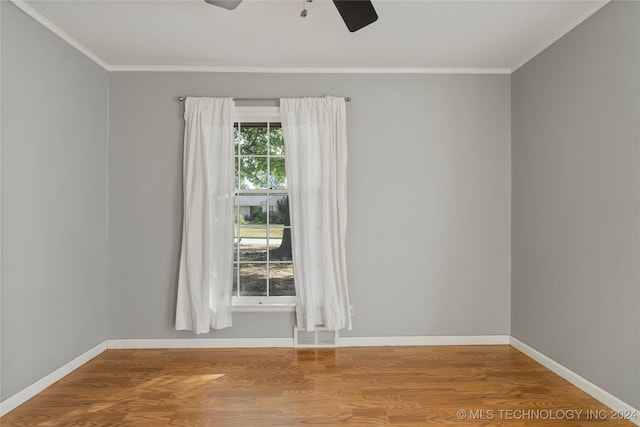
(206,261)
(316,162)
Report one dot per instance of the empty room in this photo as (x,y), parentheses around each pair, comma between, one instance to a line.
(296,212)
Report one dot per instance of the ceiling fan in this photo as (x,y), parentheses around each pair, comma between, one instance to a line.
(356,14)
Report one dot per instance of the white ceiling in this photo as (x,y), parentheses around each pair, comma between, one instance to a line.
(261,35)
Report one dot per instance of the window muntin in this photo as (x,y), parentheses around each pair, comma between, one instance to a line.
(263,266)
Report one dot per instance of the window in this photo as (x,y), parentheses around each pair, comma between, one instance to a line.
(263,265)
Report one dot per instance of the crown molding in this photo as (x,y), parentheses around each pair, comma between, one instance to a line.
(20,4)
(305,70)
(551,40)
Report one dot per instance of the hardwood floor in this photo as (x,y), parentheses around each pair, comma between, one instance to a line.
(361,386)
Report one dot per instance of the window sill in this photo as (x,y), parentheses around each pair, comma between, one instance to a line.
(269,308)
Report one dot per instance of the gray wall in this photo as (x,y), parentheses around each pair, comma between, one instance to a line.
(429,200)
(54,225)
(576,195)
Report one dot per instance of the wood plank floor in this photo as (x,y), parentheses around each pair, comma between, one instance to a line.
(362,386)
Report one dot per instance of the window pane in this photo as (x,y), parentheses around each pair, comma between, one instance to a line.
(238,219)
(236,173)
(280,249)
(277,174)
(253,248)
(253,138)
(252,209)
(275,242)
(276,140)
(235,280)
(253,173)
(253,280)
(236,139)
(281,280)
(279,209)
(275,235)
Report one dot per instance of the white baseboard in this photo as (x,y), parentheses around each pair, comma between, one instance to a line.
(27,393)
(423,340)
(124,344)
(583,384)
(288,342)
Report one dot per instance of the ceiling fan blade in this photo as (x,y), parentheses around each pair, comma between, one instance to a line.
(226,4)
(356,13)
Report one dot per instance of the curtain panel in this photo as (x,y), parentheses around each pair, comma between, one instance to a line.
(206,260)
(316,163)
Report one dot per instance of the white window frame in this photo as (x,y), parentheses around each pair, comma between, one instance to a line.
(272,303)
